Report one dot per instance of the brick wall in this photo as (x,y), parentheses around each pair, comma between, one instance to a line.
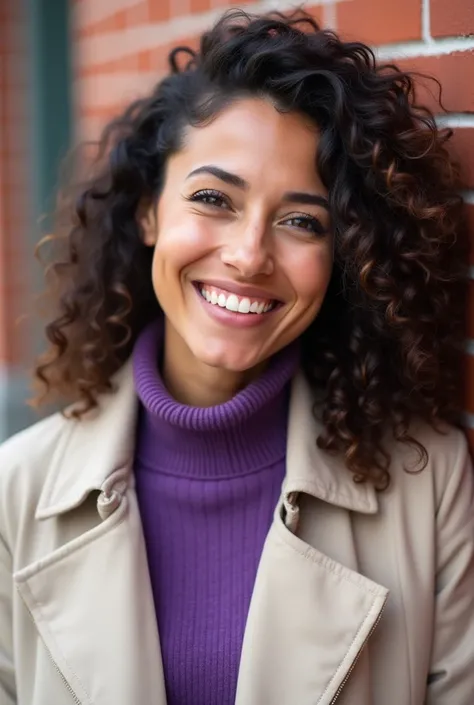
(14,213)
(13,179)
(121,47)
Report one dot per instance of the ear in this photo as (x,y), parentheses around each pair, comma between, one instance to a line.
(149,226)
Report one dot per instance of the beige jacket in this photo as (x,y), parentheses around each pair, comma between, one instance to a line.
(360,599)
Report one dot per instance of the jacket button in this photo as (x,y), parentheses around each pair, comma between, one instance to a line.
(108,503)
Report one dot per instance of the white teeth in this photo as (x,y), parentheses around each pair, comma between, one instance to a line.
(232,303)
(244,306)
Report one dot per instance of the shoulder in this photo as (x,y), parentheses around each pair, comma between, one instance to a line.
(28,455)
(448,461)
(34,440)
(446,448)
(34,445)
(25,459)
(50,466)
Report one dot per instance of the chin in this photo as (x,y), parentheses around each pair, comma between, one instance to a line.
(229,360)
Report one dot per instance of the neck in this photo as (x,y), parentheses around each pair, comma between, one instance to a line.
(194,383)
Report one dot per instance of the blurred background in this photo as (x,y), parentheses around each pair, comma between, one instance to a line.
(67,67)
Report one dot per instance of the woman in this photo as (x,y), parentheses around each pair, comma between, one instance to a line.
(256,496)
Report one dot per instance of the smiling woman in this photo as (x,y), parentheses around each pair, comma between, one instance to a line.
(249,237)
(258,494)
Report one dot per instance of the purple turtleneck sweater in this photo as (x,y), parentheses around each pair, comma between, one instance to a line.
(208,480)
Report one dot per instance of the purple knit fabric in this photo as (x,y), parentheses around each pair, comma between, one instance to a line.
(208,480)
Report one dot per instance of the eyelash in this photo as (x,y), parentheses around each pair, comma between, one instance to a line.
(200,196)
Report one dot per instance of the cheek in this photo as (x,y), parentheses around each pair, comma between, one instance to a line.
(309,274)
(177,247)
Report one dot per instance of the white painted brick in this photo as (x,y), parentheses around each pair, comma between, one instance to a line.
(426,20)
(437,47)
(455,120)
(330,16)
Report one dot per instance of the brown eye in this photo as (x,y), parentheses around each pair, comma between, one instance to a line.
(307,223)
(210,197)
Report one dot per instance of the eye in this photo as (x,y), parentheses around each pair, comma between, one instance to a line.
(210,197)
(306,223)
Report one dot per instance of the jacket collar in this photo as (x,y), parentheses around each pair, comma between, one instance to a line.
(99,445)
(313,471)
(92,448)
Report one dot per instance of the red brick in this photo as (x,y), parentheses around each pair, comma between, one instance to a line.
(131,62)
(221,4)
(379,22)
(113,23)
(137,14)
(149,60)
(453,18)
(461,147)
(453,71)
(159,10)
(144,61)
(159,59)
(104,112)
(198,6)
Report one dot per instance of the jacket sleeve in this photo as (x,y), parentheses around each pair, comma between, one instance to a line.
(451,678)
(7,673)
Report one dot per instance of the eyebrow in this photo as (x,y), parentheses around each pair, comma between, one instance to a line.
(305,199)
(226,176)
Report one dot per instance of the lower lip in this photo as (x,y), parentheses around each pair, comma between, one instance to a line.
(234,318)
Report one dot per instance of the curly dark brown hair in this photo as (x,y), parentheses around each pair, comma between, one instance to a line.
(384,347)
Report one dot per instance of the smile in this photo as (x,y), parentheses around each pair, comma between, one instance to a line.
(232,302)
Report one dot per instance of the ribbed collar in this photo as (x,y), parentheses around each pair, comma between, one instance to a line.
(235,438)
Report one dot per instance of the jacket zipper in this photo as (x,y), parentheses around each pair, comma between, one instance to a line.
(55,665)
(356,659)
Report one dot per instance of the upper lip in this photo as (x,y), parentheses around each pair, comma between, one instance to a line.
(239,289)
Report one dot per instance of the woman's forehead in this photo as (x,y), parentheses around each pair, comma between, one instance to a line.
(251,136)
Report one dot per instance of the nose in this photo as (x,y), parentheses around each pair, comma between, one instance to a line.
(248,250)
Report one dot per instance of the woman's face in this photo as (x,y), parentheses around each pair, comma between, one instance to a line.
(242,236)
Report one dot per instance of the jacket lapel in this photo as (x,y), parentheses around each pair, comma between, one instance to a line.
(91,598)
(311,613)
(93,608)
(309,620)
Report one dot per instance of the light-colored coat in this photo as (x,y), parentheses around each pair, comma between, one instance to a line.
(360,599)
